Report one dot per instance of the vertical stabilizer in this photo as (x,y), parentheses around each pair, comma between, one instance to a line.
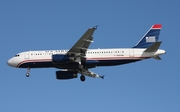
(150,37)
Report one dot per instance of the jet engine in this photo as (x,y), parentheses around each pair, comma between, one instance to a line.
(61,75)
(61,58)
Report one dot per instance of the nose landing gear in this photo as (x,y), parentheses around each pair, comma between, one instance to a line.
(28,72)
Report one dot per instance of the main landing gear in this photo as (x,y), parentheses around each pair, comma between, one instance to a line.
(28,72)
(82,78)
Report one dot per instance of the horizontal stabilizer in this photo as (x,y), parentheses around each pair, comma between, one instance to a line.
(157,57)
(154,47)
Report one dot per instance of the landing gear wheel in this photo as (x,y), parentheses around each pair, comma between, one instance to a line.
(27,74)
(82,78)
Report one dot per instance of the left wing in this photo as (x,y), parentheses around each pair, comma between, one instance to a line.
(90,73)
(81,46)
(86,72)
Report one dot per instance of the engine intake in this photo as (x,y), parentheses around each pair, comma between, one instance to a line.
(65,75)
(61,58)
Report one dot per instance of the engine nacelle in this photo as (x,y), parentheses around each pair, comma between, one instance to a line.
(61,58)
(65,75)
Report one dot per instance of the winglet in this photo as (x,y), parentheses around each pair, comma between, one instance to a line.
(95,27)
(102,76)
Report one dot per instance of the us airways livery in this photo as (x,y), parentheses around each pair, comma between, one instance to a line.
(79,59)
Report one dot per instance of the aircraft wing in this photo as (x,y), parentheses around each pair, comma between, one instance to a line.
(81,46)
(90,73)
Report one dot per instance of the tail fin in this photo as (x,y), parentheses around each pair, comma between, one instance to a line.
(150,37)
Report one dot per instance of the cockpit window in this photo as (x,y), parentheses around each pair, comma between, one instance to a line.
(17,55)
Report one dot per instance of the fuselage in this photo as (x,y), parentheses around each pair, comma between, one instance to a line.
(94,58)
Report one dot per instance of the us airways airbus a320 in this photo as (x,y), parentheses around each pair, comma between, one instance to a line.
(79,59)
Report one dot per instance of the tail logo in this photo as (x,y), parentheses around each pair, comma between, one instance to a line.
(151,39)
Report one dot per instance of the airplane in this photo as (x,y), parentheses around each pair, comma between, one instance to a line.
(79,59)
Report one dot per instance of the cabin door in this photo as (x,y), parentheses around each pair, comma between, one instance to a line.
(26,55)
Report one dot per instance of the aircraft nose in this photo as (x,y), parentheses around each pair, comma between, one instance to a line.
(11,63)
